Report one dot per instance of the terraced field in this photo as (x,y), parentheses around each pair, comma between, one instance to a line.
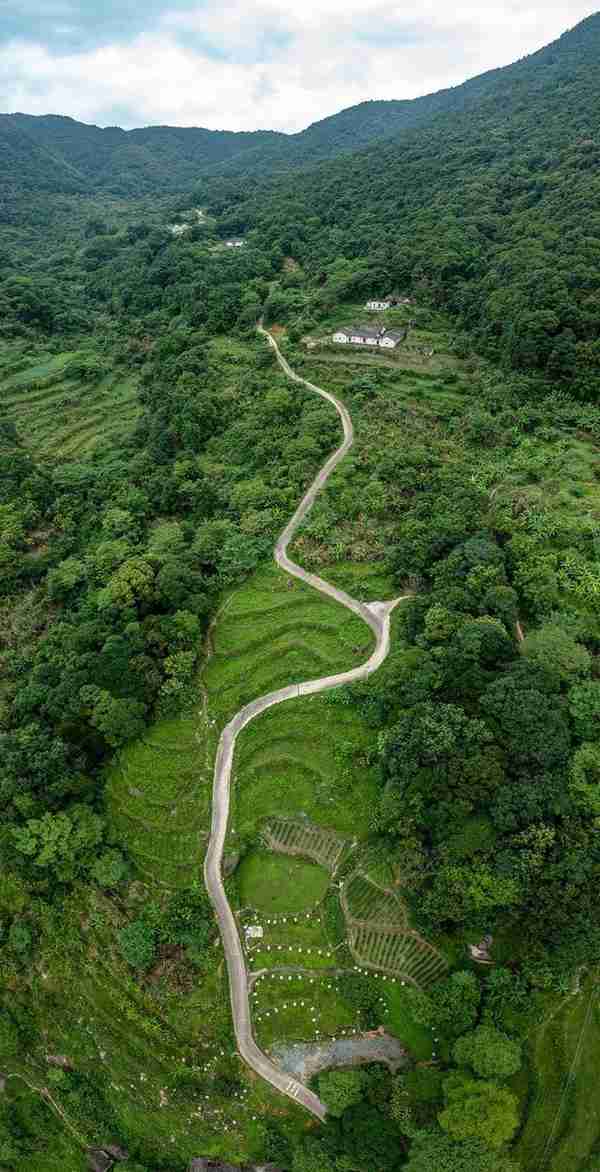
(293,837)
(158,795)
(275,631)
(62,415)
(304,784)
(363,902)
(404,954)
(379,933)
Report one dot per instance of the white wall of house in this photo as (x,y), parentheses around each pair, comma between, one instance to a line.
(365,339)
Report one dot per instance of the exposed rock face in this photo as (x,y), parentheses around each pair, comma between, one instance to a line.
(206,1164)
(116,1152)
(481,952)
(203,1164)
(98,1160)
(103,1159)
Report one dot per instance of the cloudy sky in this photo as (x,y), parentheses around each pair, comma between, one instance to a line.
(245,64)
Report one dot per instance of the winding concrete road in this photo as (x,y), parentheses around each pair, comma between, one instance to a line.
(377,616)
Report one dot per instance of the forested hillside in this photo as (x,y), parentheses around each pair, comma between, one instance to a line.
(420,850)
(491,213)
(58,154)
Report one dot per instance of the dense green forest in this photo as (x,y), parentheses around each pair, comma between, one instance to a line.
(150,453)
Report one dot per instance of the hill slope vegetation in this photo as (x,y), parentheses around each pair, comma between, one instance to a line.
(150,453)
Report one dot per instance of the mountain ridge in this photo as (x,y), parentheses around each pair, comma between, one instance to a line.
(57,153)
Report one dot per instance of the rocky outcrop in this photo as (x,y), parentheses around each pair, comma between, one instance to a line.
(207,1164)
(99,1160)
(103,1159)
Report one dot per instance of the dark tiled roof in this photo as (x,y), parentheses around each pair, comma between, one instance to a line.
(371,330)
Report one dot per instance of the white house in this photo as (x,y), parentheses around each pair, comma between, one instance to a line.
(234,243)
(378,305)
(358,335)
(368,336)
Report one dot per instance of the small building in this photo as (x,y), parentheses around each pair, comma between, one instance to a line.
(368,336)
(391,339)
(234,243)
(358,335)
(376,306)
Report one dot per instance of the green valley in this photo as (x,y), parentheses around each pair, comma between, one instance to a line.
(393,963)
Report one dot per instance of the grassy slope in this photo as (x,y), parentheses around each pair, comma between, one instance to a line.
(158,796)
(306,757)
(562,1126)
(63,417)
(272,883)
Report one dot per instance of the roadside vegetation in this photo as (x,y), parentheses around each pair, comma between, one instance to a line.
(420,850)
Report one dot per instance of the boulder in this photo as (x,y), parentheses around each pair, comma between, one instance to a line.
(99,1160)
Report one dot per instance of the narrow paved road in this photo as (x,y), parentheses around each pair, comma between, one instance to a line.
(377,616)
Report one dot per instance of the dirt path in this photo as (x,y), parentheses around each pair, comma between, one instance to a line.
(377,616)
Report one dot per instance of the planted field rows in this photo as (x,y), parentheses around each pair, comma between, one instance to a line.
(401,953)
(298,941)
(299,1008)
(304,838)
(363,902)
(158,795)
(379,934)
(67,416)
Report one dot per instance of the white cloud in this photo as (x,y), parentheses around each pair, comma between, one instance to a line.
(277,64)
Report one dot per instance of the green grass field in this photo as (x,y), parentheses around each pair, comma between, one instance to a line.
(272,883)
(60,414)
(560,1095)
